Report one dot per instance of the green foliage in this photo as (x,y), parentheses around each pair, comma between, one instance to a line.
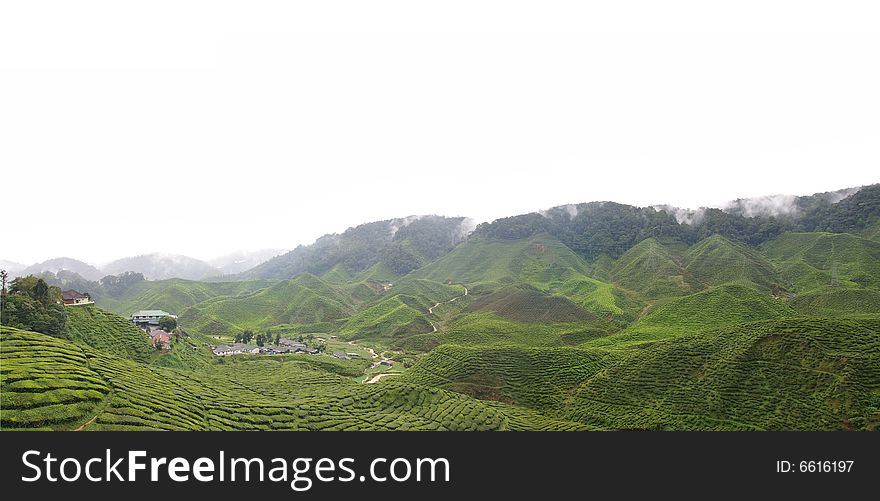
(167,324)
(32,304)
(400,245)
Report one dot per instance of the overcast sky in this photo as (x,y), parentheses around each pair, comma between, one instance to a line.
(200,128)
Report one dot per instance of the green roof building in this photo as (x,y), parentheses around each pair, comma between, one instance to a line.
(150,316)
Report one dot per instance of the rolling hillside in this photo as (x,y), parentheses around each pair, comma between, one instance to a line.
(739,378)
(541,262)
(653,269)
(811,261)
(721,306)
(593,316)
(108,332)
(305,299)
(716,261)
(97,391)
(172,295)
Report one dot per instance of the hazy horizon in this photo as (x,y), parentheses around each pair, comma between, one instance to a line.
(202,129)
(769,201)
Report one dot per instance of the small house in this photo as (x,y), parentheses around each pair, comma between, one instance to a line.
(161,338)
(341,355)
(72,297)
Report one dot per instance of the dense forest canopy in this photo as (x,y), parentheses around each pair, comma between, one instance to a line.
(608,228)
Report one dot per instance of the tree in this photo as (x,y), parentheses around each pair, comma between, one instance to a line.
(41,292)
(167,323)
(4,276)
(32,304)
(277,338)
(261,339)
(246,336)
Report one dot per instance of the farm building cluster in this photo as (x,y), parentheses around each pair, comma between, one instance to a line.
(283,347)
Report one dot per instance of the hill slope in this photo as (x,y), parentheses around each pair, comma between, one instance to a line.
(789,374)
(814,260)
(105,331)
(716,260)
(402,245)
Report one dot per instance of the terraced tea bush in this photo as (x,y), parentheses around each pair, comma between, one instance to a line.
(793,374)
(653,270)
(109,332)
(46,382)
(837,301)
(811,261)
(712,308)
(716,261)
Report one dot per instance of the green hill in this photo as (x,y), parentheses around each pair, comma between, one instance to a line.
(173,295)
(541,261)
(305,299)
(838,301)
(811,261)
(652,269)
(716,260)
(713,308)
(106,331)
(873,232)
(98,391)
(400,245)
(790,374)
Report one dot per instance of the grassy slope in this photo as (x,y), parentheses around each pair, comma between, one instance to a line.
(809,261)
(779,374)
(305,299)
(108,332)
(652,269)
(716,307)
(46,382)
(86,386)
(173,295)
(716,260)
(540,261)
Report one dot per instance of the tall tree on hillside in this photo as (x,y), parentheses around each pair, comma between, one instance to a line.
(4,276)
(41,292)
(246,336)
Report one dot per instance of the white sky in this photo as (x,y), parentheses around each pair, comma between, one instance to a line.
(260,124)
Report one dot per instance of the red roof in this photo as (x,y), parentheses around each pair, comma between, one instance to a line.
(72,294)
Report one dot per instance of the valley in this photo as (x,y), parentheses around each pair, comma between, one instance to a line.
(595,317)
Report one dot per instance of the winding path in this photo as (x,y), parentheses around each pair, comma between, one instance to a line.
(431,309)
(378,377)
